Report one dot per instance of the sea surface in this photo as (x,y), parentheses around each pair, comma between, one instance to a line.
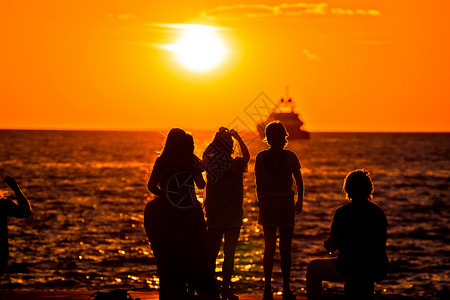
(88,192)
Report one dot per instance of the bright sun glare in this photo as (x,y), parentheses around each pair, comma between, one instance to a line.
(199,48)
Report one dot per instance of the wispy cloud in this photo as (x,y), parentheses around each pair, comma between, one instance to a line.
(353,12)
(284,9)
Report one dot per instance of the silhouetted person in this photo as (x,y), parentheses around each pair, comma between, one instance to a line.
(275,169)
(358,232)
(177,155)
(223,202)
(175,224)
(8,207)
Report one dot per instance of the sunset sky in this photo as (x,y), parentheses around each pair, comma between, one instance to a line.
(375,65)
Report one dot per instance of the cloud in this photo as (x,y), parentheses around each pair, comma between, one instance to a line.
(353,12)
(284,9)
(261,10)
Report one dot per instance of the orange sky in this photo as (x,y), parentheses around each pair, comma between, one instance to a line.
(376,65)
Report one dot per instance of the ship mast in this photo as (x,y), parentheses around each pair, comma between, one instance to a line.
(289,99)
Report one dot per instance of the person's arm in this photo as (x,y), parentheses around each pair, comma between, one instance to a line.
(242,146)
(199,181)
(22,209)
(199,164)
(299,182)
(332,243)
(380,236)
(206,153)
(152,184)
(257,169)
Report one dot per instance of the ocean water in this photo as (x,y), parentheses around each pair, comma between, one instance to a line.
(88,192)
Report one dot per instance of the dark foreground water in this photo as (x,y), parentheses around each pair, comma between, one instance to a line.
(88,192)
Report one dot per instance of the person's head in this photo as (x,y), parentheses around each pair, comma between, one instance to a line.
(276,135)
(223,141)
(176,142)
(358,185)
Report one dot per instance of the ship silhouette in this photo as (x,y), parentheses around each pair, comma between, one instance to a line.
(284,112)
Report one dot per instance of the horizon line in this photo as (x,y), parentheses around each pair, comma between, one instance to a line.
(212,129)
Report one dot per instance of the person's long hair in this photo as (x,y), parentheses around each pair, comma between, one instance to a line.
(177,148)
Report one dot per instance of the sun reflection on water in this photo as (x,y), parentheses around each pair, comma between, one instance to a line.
(87,230)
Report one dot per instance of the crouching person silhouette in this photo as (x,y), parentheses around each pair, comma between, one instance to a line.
(358,232)
(175,225)
(8,207)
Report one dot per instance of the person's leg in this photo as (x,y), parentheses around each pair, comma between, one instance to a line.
(3,263)
(319,270)
(4,255)
(214,241)
(270,243)
(172,287)
(205,284)
(359,289)
(163,288)
(285,253)
(229,249)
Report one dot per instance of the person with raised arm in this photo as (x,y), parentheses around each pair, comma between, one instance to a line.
(224,199)
(275,169)
(9,208)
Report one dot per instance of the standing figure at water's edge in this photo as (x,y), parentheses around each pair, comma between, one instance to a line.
(175,224)
(358,232)
(275,169)
(223,202)
(8,207)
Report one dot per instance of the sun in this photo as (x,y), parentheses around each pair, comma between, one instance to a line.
(199,48)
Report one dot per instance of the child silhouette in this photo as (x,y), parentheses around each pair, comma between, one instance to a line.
(274,170)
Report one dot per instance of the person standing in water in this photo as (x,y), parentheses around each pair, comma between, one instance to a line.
(275,169)
(223,202)
(8,207)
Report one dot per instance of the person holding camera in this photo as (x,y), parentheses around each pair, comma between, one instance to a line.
(9,208)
